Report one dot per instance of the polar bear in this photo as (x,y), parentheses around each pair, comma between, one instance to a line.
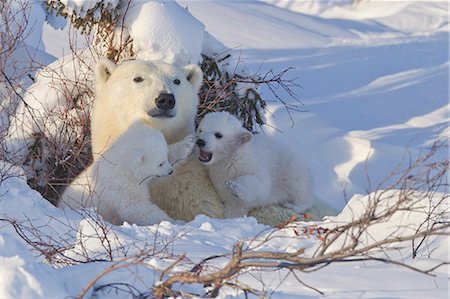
(116,183)
(165,98)
(250,170)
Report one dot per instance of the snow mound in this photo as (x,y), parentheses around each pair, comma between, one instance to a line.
(163,30)
(160,30)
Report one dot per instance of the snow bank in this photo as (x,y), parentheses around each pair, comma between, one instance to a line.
(416,211)
(22,276)
(410,17)
(22,48)
(30,17)
(266,27)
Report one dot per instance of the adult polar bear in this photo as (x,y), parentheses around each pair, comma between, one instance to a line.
(165,97)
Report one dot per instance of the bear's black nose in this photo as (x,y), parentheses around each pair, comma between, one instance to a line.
(165,101)
(201,142)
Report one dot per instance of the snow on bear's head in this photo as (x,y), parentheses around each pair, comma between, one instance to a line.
(160,94)
(220,134)
(142,151)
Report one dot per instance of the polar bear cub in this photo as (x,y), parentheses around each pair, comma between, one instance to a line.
(116,184)
(250,170)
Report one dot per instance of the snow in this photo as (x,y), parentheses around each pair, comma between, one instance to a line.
(199,238)
(161,30)
(176,36)
(374,80)
(80,8)
(44,106)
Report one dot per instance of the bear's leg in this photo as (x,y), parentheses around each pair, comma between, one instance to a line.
(181,150)
(252,190)
(144,212)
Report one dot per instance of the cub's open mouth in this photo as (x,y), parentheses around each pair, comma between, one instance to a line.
(204,156)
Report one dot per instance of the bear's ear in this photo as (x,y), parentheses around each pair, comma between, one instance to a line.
(103,70)
(244,137)
(194,75)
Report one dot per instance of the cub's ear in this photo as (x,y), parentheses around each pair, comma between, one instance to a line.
(194,75)
(244,137)
(103,70)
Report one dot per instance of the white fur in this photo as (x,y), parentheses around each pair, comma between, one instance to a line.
(116,183)
(251,171)
(120,101)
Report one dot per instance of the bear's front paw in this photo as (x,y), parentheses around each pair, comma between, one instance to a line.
(189,145)
(180,151)
(235,189)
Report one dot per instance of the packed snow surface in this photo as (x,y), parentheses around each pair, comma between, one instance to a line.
(82,238)
(374,80)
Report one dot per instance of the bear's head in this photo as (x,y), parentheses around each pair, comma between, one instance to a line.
(220,134)
(162,95)
(142,152)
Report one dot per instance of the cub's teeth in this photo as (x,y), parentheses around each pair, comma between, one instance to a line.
(204,156)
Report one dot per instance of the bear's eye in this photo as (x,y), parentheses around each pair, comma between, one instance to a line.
(176,82)
(138,79)
(218,135)
(161,165)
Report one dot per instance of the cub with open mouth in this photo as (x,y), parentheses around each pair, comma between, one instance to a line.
(251,170)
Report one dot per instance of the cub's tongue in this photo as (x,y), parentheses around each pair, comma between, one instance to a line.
(204,156)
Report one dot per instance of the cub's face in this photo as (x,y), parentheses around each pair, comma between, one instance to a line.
(156,158)
(149,167)
(219,136)
(162,95)
(142,152)
(161,166)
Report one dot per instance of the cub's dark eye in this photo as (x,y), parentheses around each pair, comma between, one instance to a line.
(176,82)
(161,165)
(138,79)
(218,135)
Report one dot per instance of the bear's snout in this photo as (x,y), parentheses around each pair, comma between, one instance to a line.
(201,142)
(165,101)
